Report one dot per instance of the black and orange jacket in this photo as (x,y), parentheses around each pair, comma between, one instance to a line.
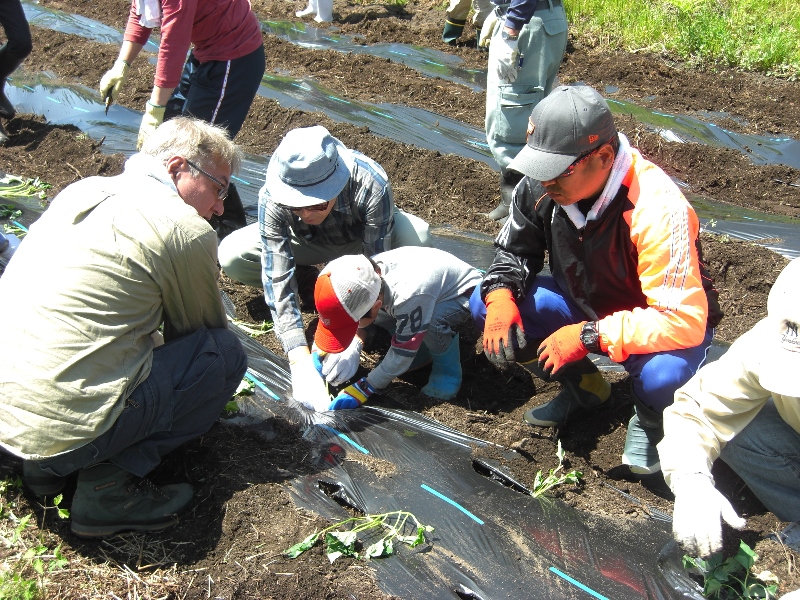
(637,270)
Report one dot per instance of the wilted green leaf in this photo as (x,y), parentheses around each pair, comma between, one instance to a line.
(301,547)
(383,547)
(340,543)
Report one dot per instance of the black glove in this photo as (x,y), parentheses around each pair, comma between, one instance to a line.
(234,216)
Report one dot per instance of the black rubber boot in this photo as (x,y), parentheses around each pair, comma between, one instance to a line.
(234,216)
(507,184)
(7,110)
(645,430)
(453,28)
(584,389)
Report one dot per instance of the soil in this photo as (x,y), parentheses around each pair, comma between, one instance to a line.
(245,512)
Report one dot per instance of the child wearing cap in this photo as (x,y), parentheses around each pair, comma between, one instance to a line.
(426,305)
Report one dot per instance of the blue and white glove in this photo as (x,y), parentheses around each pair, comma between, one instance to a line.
(353,395)
(508,59)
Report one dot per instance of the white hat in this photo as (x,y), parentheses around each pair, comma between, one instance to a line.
(346,290)
(780,366)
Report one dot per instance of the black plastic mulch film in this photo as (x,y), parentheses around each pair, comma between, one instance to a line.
(491,538)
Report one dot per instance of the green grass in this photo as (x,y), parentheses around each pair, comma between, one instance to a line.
(757,35)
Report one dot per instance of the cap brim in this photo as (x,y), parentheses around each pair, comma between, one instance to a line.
(335,340)
(298,197)
(540,165)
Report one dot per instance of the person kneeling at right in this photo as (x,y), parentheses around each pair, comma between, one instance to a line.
(422,307)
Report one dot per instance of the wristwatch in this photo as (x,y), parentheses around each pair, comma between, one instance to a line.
(508,36)
(590,338)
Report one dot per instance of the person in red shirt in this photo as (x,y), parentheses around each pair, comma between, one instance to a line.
(216,83)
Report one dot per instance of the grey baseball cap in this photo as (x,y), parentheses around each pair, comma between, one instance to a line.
(308,167)
(570,122)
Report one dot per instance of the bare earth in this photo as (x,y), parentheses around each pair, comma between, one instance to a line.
(229,545)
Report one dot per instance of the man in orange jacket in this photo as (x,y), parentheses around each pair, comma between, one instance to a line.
(626,277)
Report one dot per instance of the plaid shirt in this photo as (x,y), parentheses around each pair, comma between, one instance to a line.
(364,211)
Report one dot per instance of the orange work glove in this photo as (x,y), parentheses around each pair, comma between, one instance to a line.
(561,348)
(503,325)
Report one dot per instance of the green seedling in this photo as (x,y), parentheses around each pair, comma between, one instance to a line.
(727,578)
(14,585)
(9,211)
(12,186)
(63,513)
(15,229)
(542,484)
(253,331)
(342,542)
(246,388)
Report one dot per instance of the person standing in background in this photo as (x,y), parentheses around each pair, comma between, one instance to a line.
(16,49)
(526,40)
(457,18)
(216,83)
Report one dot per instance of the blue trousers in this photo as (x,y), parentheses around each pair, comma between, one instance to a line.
(655,376)
(766,455)
(218,91)
(191,380)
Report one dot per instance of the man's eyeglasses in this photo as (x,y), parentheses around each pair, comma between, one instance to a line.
(571,169)
(223,192)
(313,208)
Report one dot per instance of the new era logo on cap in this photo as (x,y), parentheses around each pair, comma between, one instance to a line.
(570,122)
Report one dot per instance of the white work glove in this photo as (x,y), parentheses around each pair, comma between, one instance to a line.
(793,595)
(338,368)
(111,82)
(308,387)
(153,117)
(491,24)
(507,59)
(696,517)
(308,10)
(324,11)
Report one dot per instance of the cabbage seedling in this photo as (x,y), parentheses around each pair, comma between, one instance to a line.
(725,578)
(542,484)
(342,542)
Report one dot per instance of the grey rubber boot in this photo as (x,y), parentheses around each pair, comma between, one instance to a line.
(40,482)
(507,184)
(645,430)
(445,379)
(109,500)
(584,389)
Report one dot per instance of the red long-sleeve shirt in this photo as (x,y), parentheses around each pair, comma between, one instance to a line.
(219,30)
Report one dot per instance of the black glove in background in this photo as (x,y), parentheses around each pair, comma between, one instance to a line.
(234,216)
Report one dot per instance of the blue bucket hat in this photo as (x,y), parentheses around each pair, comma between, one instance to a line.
(308,167)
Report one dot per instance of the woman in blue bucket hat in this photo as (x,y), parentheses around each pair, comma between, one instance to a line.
(320,200)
